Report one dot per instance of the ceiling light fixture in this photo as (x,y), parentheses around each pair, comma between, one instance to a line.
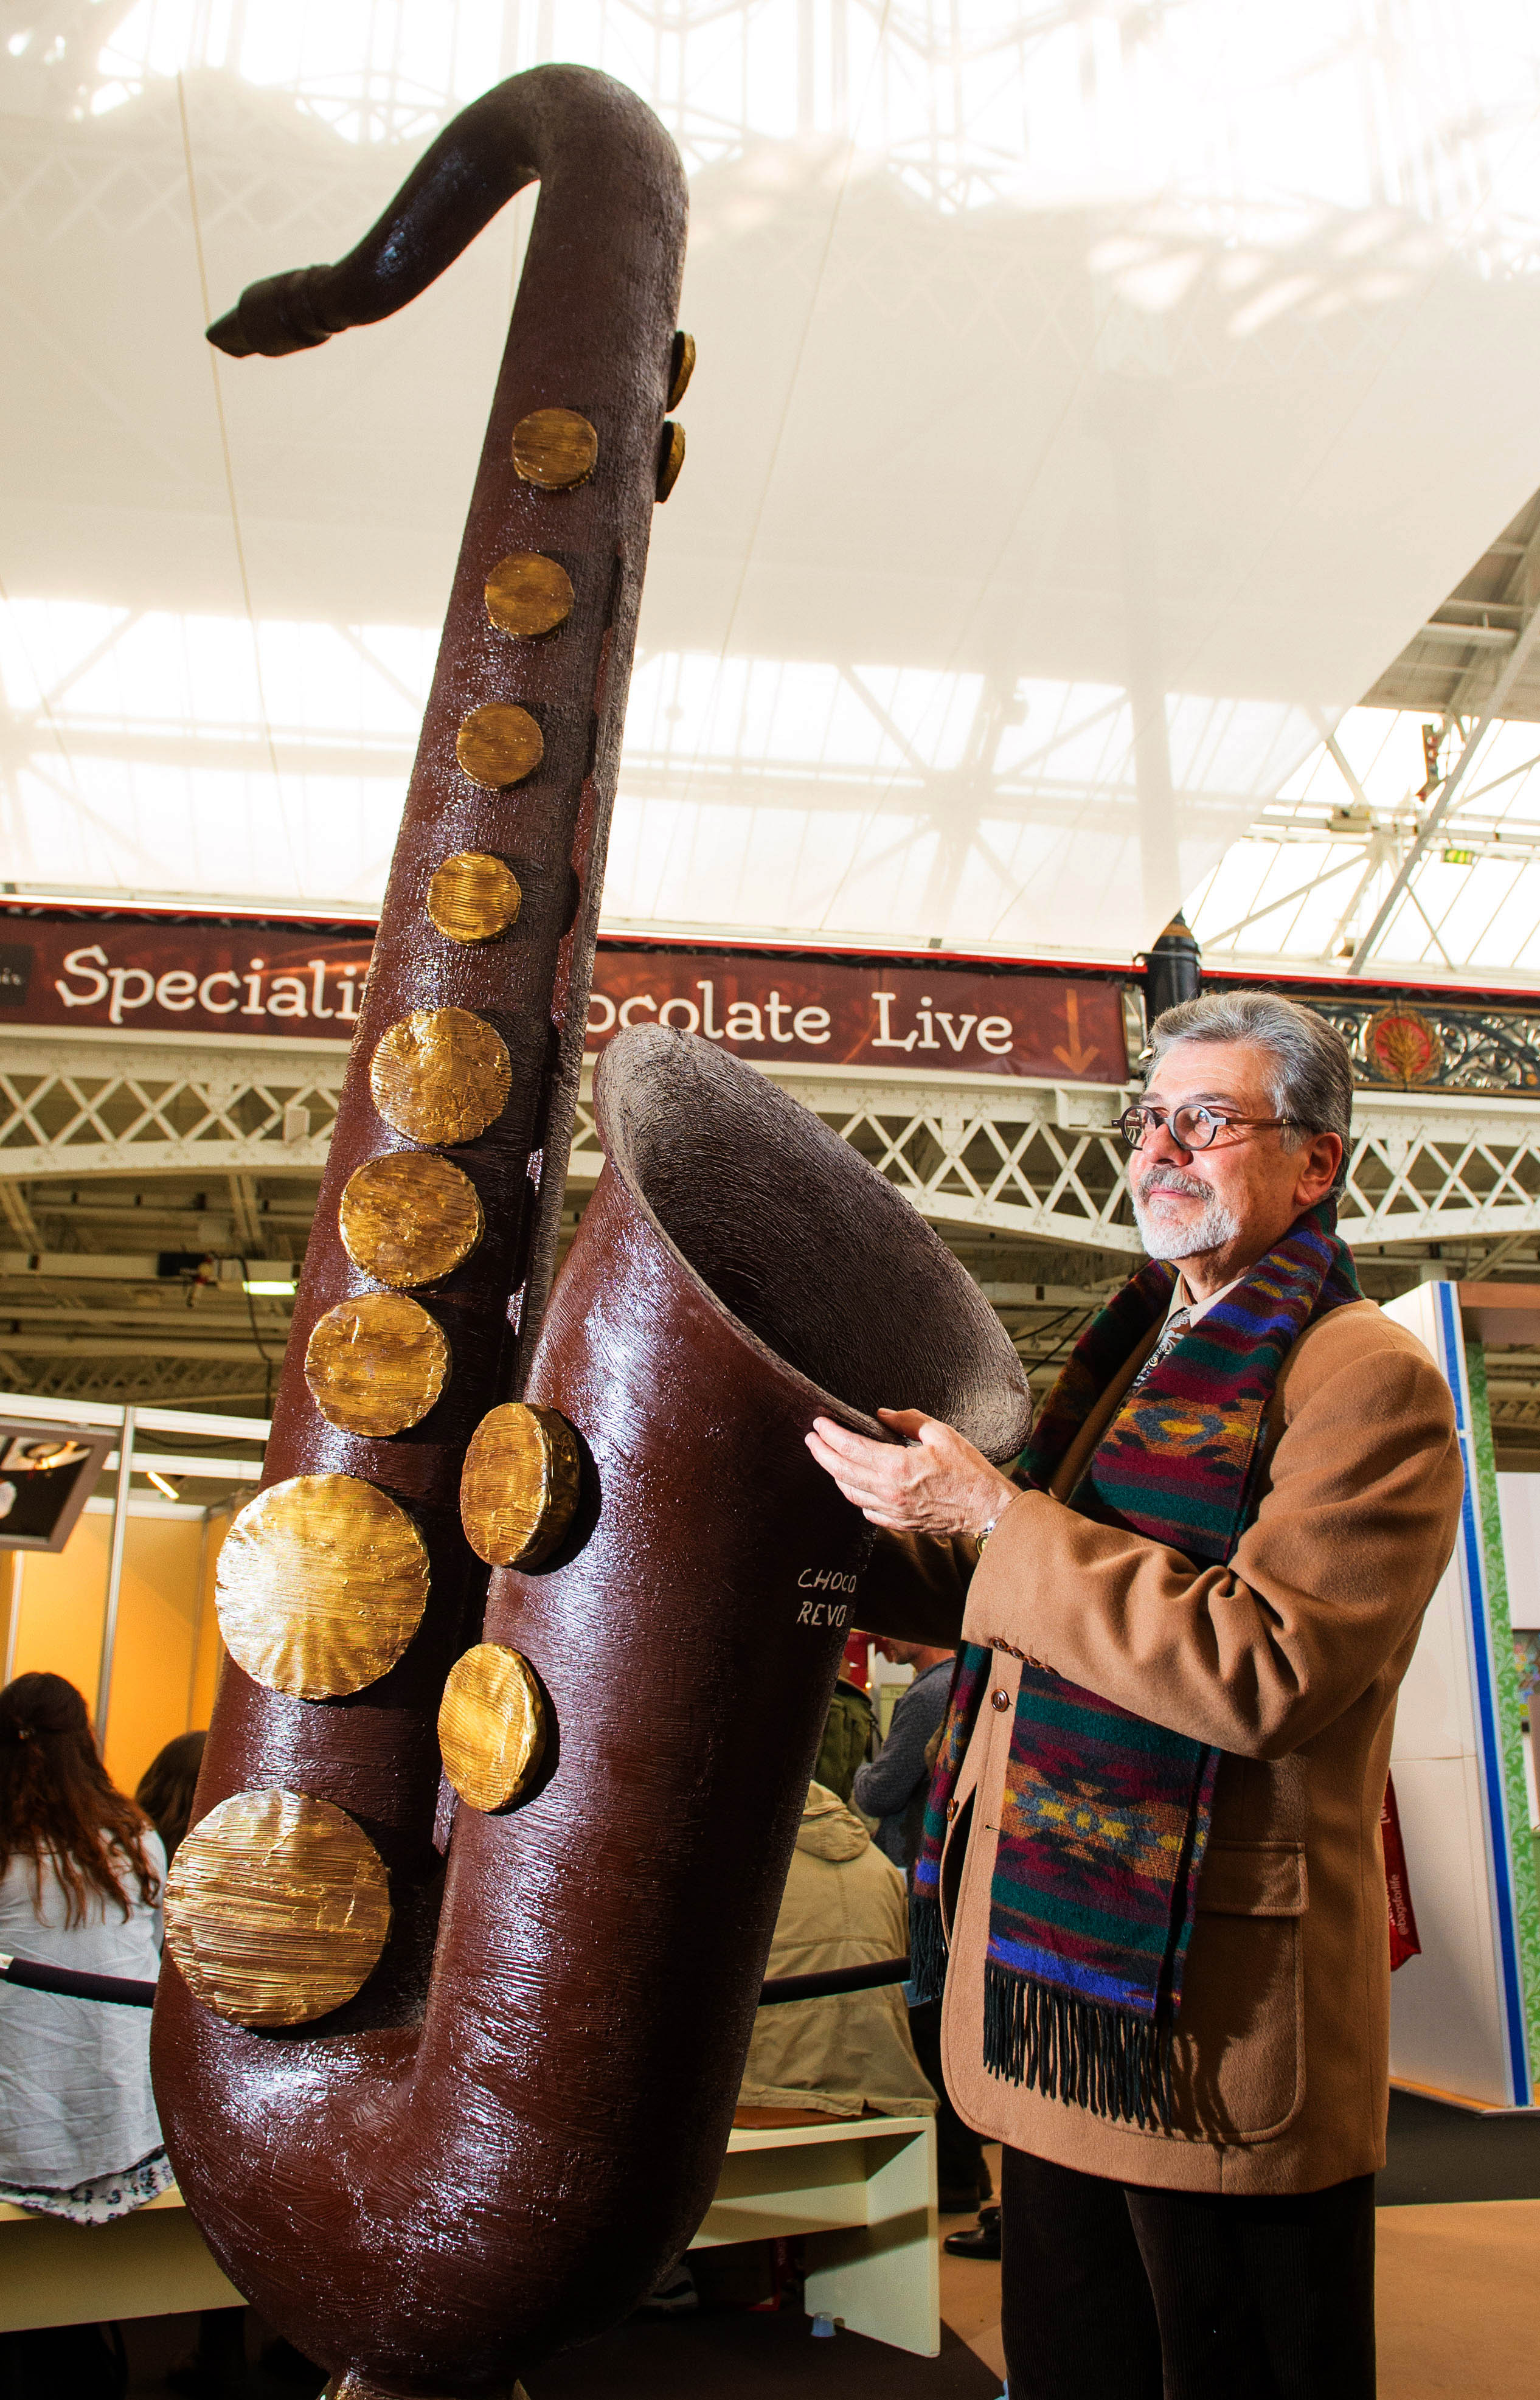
(268,1278)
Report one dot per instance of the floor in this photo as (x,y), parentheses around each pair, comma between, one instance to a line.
(1459,2269)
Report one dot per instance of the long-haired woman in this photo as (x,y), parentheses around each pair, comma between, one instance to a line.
(81,1870)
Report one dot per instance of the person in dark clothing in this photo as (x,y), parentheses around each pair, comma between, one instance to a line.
(166,1786)
(847,1738)
(891,1786)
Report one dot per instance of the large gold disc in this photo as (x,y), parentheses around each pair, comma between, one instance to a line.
(555,448)
(519,1485)
(528,593)
(681,366)
(440,1075)
(376,1365)
(320,1585)
(499,745)
(491,1725)
(277,1908)
(671,458)
(473,897)
(408,1219)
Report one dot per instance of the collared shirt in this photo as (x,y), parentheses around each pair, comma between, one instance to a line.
(1182,1298)
(1182,1314)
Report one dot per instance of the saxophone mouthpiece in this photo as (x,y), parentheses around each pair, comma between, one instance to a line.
(273,318)
(226,335)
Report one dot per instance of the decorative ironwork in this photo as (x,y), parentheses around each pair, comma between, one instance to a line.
(1035,1159)
(1434,1046)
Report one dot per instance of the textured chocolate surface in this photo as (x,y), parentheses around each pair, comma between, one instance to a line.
(531,2157)
(495,2149)
(309,2159)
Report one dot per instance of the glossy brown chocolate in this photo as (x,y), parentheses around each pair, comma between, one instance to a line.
(257,2123)
(495,2147)
(514,2174)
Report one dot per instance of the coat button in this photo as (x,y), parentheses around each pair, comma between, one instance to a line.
(951,1810)
(1000,1700)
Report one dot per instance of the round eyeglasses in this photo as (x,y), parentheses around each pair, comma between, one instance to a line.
(1190,1128)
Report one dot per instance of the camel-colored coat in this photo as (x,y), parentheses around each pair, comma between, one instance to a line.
(1288,1660)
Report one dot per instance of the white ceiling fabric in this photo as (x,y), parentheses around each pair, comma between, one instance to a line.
(1092,401)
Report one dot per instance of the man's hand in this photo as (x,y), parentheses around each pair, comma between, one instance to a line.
(936,1483)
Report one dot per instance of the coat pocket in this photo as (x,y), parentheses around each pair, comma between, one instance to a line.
(1240,2035)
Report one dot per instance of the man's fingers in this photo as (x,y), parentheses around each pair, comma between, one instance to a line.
(836,1459)
(908,1421)
(845,1445)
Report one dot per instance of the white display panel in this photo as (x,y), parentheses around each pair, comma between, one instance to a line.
(1519,1497)
(1092,401)
(1457,2022)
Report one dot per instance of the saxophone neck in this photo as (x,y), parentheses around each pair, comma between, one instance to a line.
(587,140)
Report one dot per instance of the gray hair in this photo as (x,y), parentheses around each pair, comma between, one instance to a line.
(1311,1073)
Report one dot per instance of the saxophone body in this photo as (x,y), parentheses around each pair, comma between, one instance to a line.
(464,1945)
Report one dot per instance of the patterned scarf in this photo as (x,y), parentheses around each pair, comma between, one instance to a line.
(1105,1816)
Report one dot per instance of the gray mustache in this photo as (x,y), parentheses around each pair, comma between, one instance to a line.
(1169,1178)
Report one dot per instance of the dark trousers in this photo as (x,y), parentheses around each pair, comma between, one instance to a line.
(958,2150)
(1111,2292)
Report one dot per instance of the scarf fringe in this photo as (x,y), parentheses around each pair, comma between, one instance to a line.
(927,1948)
(1106,2060)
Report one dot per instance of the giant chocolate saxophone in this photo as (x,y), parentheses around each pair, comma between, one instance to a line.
(463,1949)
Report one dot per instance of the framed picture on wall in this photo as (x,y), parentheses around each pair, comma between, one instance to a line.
(48,1473)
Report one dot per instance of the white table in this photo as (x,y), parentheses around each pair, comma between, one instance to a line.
(153,2263)
(861,2191)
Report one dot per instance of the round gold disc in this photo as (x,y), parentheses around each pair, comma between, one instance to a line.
(499,745)
(528,593)
(491,1725)
(320,1585)
(408,1219)
(440,1075)
(519,1485)
(277,1908)
(681,366)
(555,448)
(671,458)
(473,897)
(376,1365)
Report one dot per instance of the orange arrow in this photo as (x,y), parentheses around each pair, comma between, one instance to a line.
(1074,1056)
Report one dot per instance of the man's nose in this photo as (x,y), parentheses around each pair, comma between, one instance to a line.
(1160,1144)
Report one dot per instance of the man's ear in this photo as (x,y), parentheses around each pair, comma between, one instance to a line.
(1319,1161)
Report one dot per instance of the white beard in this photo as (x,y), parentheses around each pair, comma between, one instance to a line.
(1163,1239)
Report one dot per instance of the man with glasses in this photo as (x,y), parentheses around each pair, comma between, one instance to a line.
(1150,1879)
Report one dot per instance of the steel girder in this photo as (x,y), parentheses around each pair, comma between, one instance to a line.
(1037,1160)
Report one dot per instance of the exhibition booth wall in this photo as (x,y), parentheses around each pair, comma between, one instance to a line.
(165,1655)
(1465,2012)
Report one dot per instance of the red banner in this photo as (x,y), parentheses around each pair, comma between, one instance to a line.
(162,976)
(153,977)
(967,1020)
